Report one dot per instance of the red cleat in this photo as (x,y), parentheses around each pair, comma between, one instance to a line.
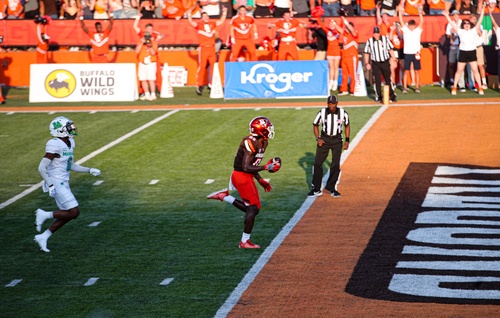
(248,244)
(218,195)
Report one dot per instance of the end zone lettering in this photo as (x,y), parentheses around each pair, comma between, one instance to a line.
(438,239)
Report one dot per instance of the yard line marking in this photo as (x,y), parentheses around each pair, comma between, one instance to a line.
(14,283)
(154,182)
(258,108)
(91,281)
(52,113)
(264,258)
(93,112)
(216,109)
(94,224)
(166,281)
(298,108)
(209,181)
(98,182)
(92,155)
(134,111)
(26,185)
(10,113)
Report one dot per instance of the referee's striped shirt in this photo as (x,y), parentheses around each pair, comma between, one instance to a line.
(331,123)
(379,50)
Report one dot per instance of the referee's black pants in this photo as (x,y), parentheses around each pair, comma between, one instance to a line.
(382,69)
(333,144)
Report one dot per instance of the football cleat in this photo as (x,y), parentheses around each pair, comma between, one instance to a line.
(218,195)
(248,244)
(40,218)
(41,240)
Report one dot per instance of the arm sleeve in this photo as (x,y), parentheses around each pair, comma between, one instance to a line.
(77,168)
(43,169)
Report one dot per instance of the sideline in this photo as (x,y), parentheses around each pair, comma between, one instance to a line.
(90,156)
(264,258)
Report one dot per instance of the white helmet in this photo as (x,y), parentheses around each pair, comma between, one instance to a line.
(62,127)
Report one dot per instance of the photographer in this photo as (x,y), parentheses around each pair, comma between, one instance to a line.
(147,55)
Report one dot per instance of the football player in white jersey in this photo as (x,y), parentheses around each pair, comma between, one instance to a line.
(54,169)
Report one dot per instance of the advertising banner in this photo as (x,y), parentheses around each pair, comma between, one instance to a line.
(280,79)
(83,82)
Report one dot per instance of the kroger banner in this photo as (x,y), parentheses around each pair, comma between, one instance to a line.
(281,79)
(83,82)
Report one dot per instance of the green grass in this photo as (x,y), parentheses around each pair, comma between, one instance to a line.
(148,232)
(187,96)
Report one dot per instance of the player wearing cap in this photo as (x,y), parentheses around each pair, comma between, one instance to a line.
(378,51)
(331,119)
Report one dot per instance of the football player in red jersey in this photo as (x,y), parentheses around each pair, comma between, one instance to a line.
(246,168)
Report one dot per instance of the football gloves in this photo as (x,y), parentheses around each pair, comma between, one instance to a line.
(95,172)
(52,191)
(273,165)
(267,187)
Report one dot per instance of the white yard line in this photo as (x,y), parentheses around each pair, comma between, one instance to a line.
(269,251)
(92,155)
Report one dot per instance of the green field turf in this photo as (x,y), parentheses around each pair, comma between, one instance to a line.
(148,232)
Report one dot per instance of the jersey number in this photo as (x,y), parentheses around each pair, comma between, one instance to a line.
(70,161)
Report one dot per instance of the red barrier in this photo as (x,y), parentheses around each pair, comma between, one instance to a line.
(178,32)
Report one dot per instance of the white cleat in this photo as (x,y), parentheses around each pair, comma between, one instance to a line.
(40,218)
(42,242)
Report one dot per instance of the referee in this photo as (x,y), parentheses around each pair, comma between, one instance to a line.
(378,51)
(331,119)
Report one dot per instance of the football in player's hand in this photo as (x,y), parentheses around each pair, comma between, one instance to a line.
(273,165)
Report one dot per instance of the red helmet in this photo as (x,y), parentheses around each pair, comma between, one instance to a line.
(317,12)
(261,126)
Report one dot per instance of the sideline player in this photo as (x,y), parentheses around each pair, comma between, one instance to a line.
(54,169)
(246,168)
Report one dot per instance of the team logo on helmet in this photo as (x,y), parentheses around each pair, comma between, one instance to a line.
(261,126)
(62,127)
(60,83)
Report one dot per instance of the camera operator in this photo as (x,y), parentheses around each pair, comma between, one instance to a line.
(42,47)
(147,55)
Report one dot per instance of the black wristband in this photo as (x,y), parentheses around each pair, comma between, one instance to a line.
(347,139)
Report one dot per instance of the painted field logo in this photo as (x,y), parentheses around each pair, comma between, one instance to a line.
(60,83)
(438,239)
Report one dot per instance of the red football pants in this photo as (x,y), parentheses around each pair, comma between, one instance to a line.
(245,184)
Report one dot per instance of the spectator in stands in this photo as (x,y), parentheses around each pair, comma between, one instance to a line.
(287,28)
(211,7)
(100,8)
(147,55)
(492,6)
(383,20)
(249,4)
(468,35)
(85,9)
(243,31)
(411,36)
(159,9)
(317,35)
(282,6)
(300,8)
(436,7)
(69,10)
(147,8)
(367,7)
(15,10)
(130,9)
(263,9)
(487,23)
(454,41)
(173,9)
(389,7)
(346,6)
(148,29)
(49,8)
(397,40)
(207,55)
(413,7)
(349,60)
(331,7)
(496,28)
(466,7)
(31,9)
(116,6)
(99,40)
